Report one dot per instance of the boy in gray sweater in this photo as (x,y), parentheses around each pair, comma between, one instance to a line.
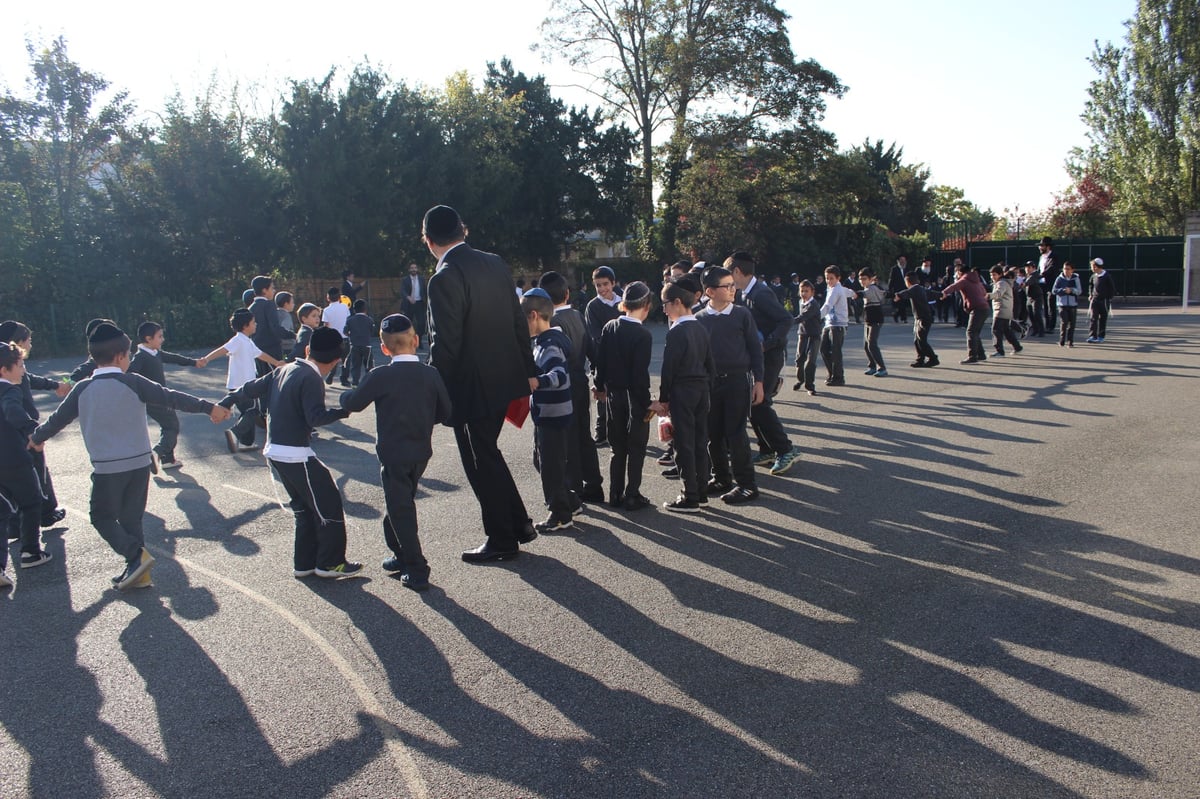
(111,408)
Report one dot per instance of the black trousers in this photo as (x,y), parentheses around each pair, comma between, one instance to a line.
(503,511)
(806,360)
(359,360)
(583,462)
(1002,330)
(1037,320)
(921,340)
(400,522)
(1099,322)
(832,339)
(728,442)
(689,402)
(168,438)
(975,322)
(317,505)
(551,445)
(248,416)
(871,345)
(628,432)
(763,418)
(1067,314)
(20,505)
(117,506)
(49,499)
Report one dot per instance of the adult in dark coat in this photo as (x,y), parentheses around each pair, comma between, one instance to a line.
(1049,268)
(479,342)
(413,295)
(895,286)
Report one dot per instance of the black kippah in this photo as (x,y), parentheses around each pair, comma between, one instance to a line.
(104,332)
(325,345)
(441,222)
(395,323)
(636,292)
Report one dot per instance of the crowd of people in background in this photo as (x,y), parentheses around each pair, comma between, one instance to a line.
(498,352)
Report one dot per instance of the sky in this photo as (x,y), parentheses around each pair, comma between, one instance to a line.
(986,95)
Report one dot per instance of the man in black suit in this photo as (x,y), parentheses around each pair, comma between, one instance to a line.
(412,298)
(479,342)
(1049,269)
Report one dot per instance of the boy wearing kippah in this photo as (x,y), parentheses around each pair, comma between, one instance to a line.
(410,398)
(293,397)
(111,408)
(20,488)
(242,353)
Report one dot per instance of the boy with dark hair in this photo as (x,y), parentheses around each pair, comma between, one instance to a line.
(310,319)
(600,310)
(243,355)
(17,333)
(410,398)
(111,408)
(294,398)
(1066,291)
(836,314)
(583,462)
(918,298)
(687,373)
(20,487)
(975,302)
(551,409)
(773,324)
(284,305)
(1001,296)
(738,363)
(268,334)
(86,368)
(808,318)
(623,391)
(873,297)
(148,362)
(359,328)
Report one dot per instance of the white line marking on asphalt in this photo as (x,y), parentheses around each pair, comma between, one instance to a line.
(263,497)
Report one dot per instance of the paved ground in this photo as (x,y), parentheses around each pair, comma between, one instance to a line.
(980,582)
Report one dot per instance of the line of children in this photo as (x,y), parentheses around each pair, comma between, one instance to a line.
(410,399)
(111,408)
(148,362)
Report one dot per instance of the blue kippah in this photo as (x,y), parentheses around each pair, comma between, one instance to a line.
(537,291)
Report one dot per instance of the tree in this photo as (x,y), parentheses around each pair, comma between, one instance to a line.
(723,69)
(1143,113)
(1082,211)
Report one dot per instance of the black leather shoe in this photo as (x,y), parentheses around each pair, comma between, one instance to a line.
(716,486)
(592,494)
(485,553)
(637,502)
(415,581)
(527,534)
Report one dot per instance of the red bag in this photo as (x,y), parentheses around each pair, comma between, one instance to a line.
(518,411)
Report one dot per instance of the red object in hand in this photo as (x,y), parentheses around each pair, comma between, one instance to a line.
(666,431)
(518,411)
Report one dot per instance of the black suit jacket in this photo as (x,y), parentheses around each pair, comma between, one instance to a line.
(406,299)
(478,339)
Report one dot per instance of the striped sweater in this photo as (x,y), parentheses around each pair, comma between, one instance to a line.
(551,402)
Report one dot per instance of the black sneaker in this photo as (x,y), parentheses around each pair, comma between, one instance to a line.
(528,533)
(31,559)
(716,486)
(553,525)
(134,570)
(415,582)
(592,494)
(739,495)
(918,364)
(682,504)
(672,473)
(344,569)
(636,502)
(932,363)
(52,518)
(392,564)
(666,459)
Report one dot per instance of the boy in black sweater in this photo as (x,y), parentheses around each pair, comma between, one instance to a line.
(20,488)
(410,398)
(359,328)
(148,362)
(623,390)
(600,310)
(687,373)
(294,398)
(583,462)
(111,408)
(17,333)
(738,384)
(310,319)
(922,320)
(808,317)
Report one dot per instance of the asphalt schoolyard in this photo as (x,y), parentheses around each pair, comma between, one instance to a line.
(978,581)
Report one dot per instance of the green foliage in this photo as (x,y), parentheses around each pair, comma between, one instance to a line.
(1143,113)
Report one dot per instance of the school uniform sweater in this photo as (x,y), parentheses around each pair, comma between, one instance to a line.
(410,398)
(83,371)
(28,384)
(623,360)
(551,403)
(583,349)
(733,339)
(111,408)
(771,318)
(302,339)
(599,313)
(16,425)
(359,329)
(150,365)
(918,298)
(295,403)
(268,334)
(809,317)
(687,356)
